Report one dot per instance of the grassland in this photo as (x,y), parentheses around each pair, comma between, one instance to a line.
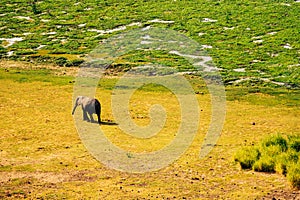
(43,157)
(254,44)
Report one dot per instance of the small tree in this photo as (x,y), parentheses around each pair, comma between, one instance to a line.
(34,8)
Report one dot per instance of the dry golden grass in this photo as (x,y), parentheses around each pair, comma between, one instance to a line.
(41,155)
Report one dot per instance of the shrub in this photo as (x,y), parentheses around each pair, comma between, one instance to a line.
(293,175)
(25,52)
(247,157)
(294,143)
(274,154)
(281,167)
(284,160)
(293,156)
(72,45)
(76,62)
(272,150)
(40,58)
(3,52)
(60,61)
(58,51)
(264,164)
(34,8)
(276,140)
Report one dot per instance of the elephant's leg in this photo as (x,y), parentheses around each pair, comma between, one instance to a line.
(91,116)
(85,117)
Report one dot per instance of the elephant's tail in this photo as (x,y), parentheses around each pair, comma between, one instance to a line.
(97,107)
(98,110)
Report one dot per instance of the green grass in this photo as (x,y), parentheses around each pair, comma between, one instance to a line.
(276,153)
(67,29)
(31,75)
(281,96)
(251,94)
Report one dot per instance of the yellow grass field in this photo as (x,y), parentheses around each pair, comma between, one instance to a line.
(42,156)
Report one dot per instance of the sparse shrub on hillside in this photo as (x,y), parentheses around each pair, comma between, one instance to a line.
(58,51)
(72,45)
(35,10)
(275,153)
(25,52)
(3,51)
(76,62)
(61,61)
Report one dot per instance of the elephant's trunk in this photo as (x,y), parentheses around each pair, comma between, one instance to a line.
(75,106)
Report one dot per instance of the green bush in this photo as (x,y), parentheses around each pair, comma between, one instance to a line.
(272,150)
(264,164)
(281,167)
(25,52)
(58,51)
(61,61)
(35,10)
(293,175)
(294,143)
(3,52)
(276,140)
(76,62)
(284,160)
(275,153)
(247,157)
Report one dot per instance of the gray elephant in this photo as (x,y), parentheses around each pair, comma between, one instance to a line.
(90,106)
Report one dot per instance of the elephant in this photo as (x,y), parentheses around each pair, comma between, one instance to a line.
(90,106)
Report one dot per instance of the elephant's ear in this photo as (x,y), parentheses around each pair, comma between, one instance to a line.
(78,99)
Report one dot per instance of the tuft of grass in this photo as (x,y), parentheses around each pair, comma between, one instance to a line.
(284,160)
(275,141)
(294,143)
(264,164)
(247,157)
(275,153)
(293,174)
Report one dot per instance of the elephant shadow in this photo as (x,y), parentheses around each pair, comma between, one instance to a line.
(108,123)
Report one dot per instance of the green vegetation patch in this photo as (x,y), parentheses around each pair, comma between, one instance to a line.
(258,40)
(31,75)
(276,153)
